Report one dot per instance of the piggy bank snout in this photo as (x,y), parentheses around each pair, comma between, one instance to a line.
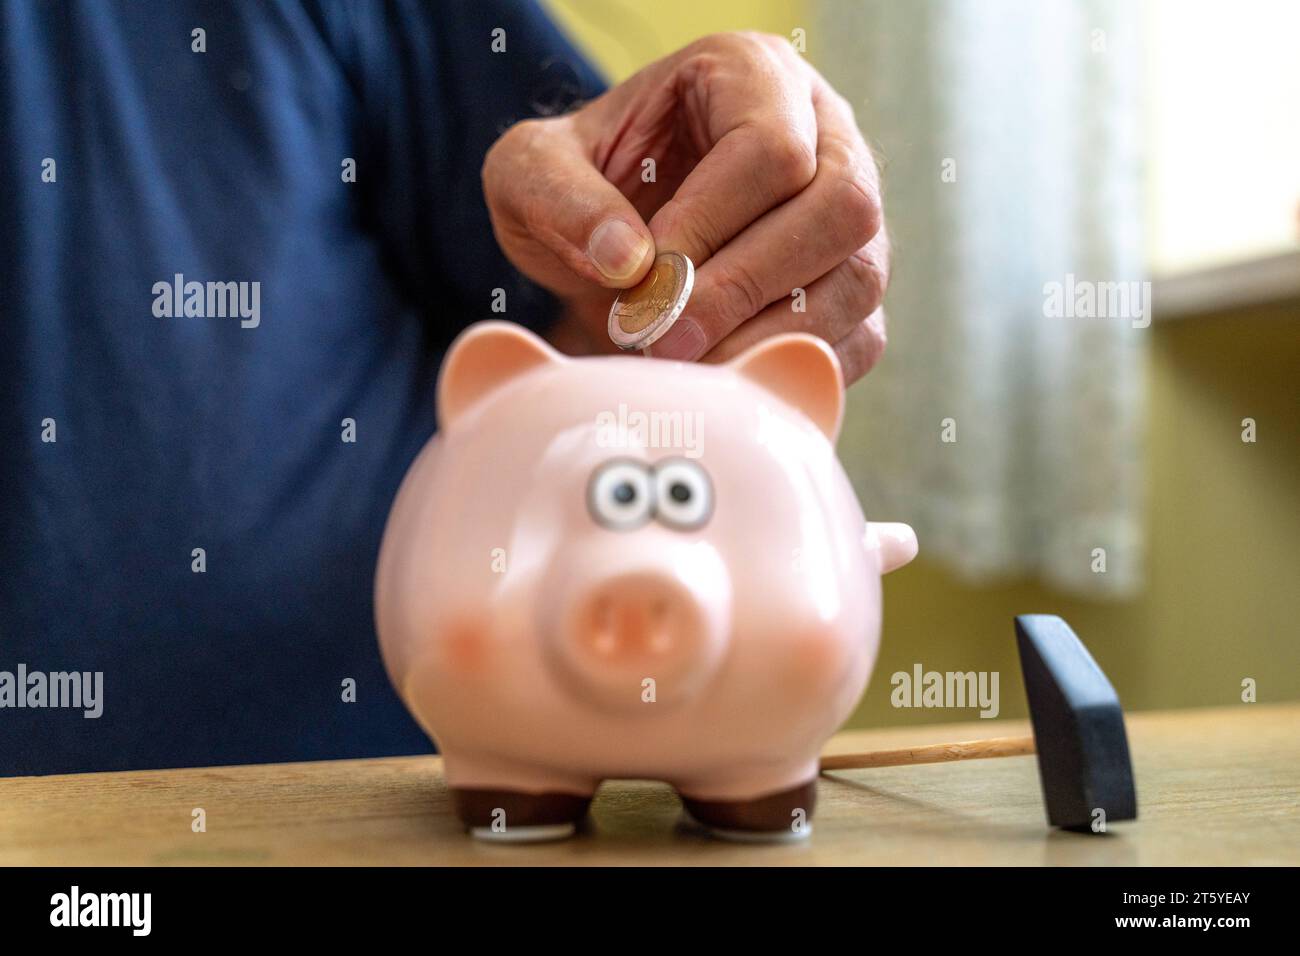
(637,620)
(641,637)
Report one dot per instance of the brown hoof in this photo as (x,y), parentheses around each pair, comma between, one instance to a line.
(773,814)
(511,814)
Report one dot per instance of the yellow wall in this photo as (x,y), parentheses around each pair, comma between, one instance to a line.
(1222,600)
(622,36)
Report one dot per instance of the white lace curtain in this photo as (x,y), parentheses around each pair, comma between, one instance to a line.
(1010,133)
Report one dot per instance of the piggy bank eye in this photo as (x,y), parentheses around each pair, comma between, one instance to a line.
(683,494)
(620,495)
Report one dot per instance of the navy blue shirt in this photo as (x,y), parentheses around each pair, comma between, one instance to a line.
(135,432)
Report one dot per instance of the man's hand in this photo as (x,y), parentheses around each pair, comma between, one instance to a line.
(760,176)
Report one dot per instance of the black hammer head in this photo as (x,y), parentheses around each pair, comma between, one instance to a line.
(1083,757)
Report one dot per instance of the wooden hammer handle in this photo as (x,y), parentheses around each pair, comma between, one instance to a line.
(932,753)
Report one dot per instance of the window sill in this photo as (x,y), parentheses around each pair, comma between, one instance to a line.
(1239,285)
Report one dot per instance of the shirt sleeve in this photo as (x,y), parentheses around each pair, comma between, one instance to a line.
(436,84)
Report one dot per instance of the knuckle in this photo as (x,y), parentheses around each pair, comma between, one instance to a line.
(867,279)
(516,142)
(874,341)
(855,202)
(843,104)
(520,137)
(849,361)
(737,295)
(860,350)
(768,41)
(854,191)
(791,159)
(837,157)
(699,234)
(878,336)
(743,44)
(737,53)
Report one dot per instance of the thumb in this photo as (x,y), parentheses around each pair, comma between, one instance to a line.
(556,217)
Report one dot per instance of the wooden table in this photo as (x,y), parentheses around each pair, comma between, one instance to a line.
(1214,787)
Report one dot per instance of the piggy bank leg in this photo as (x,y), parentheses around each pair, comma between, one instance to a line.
(513,816)
(779,817)
(506,803)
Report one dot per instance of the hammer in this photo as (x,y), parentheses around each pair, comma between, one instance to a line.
(1083,758)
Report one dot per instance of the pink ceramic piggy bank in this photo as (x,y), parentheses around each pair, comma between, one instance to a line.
(622,567)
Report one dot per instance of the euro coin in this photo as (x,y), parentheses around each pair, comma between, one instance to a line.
(642,314)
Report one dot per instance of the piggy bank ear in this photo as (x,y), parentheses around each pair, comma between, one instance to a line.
(484,357)
(803,370)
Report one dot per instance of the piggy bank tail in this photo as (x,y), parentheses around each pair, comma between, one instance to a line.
(895,543)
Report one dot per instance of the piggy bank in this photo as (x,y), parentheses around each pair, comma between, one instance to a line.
(620,567)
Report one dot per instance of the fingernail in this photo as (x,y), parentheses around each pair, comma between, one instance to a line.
(617,249)
(684,341)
